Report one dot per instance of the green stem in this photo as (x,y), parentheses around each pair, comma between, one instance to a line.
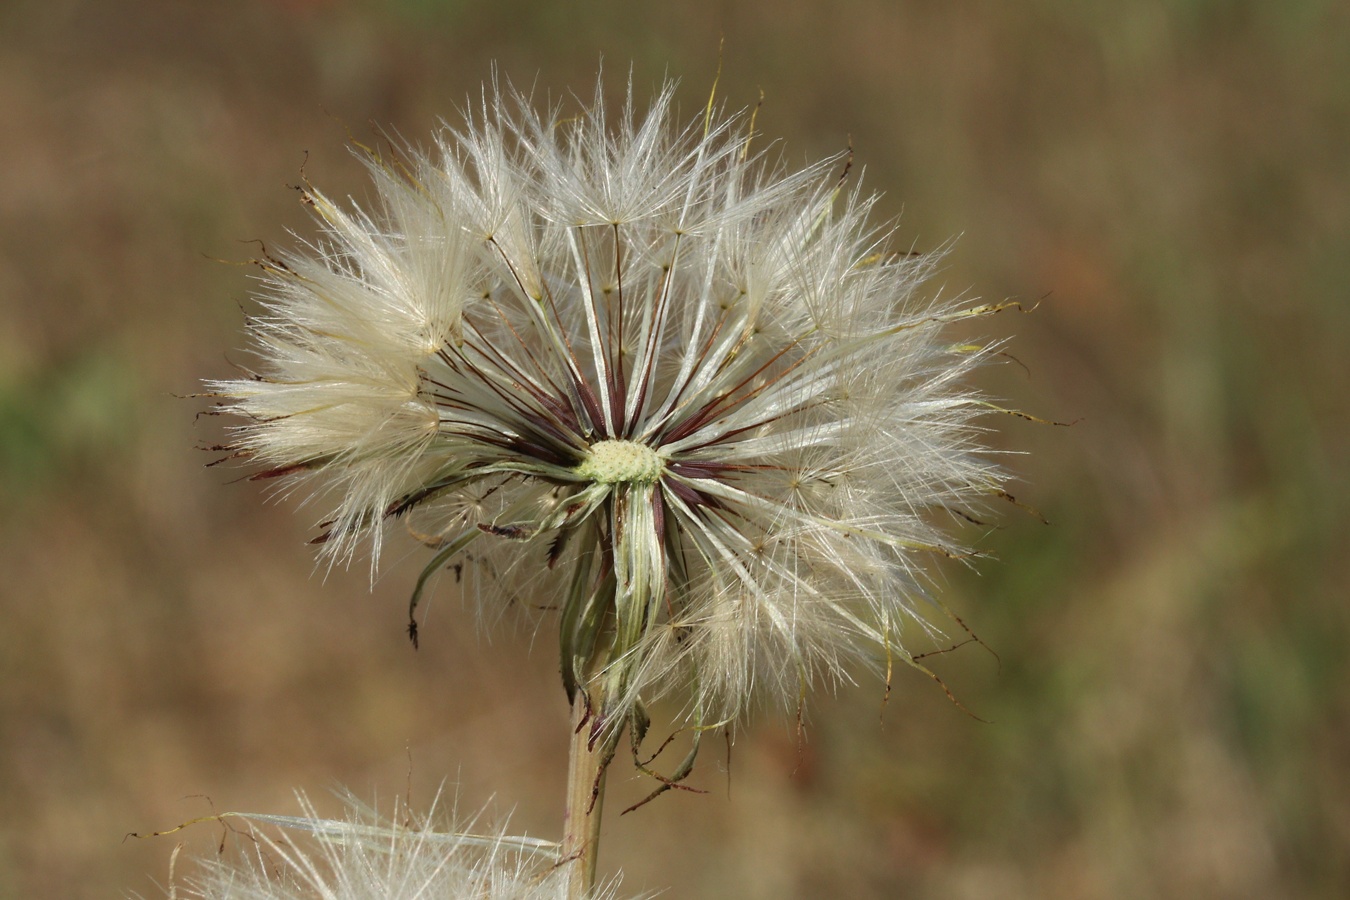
(585,797)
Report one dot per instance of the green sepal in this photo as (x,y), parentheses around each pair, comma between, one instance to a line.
(437,561)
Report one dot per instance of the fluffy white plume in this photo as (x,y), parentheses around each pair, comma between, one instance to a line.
(365,858)
(641,374)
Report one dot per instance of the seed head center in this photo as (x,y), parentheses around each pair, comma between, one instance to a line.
(616,462)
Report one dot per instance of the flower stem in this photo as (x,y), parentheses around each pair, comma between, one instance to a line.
(585,797)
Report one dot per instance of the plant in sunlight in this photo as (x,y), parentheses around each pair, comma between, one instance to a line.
(364,857)
(638,372)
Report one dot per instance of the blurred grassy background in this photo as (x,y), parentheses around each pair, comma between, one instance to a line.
(1171,717)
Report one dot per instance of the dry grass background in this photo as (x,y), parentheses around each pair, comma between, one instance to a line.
(1172,713)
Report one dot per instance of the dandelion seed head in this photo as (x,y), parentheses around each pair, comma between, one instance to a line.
(641,373)
(365,857)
